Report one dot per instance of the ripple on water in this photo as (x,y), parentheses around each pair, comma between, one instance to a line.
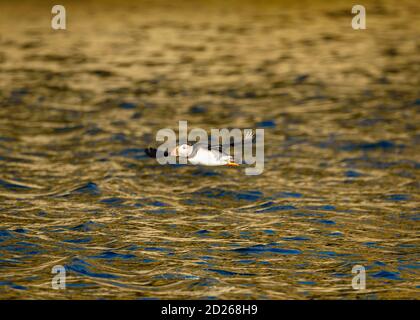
(12,285)
(176,276)
(110,255)
(87,226)
(261,249)
(229,273)
(277,208)
(398,197)
(82,267)
(351,146)
(132,153)
(89,188)
(13,186)
(113,202)
(208,192)
(389,275)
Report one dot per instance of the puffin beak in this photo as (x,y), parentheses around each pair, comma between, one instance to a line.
(174,152)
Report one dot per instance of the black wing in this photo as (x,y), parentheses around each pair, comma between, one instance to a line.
(151,152)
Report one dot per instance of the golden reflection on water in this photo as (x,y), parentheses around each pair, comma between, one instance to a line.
(340,185)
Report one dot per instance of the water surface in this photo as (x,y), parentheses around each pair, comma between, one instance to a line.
(340,186)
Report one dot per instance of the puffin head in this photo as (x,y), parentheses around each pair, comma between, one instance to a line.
(184,150)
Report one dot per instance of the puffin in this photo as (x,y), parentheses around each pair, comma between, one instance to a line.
(203,153)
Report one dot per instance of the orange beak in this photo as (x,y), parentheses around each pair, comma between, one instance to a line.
(174,152)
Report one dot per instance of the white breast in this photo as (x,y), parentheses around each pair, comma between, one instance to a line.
(209,158)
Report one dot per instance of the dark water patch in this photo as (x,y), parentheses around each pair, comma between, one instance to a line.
(23,247)
(330,254)
(269,232)
(229,273)
(301,78)
(288,195)
(158,204)
(6,234)
(132,153)
(245,261)
(78,240)
(17,95)
(398,197)
(12,285)
(267,124)
(81,267)
(67,129)
(147,260)
(127,105)
(325,207)
(119,137)
(251,195)
(370,162)
(93,131)
(323,221)
(101,73)
(203,263)
(198,109)
(21,230)
(410,216)
(308,214)
(13,186)
(297,238)
(7,139)
(406,245)
(89,188)
(161,211)
(352,174)
(307,283)
(205,173)
(336,234)
(157,249)
(341,275)
(113,202)
(371,244)
(136,115)
(276,208)
(389,275)
(110,255)
(414,266)
(175,276)
(260,249)
(370,122)
(151,202)
(202,232)
(416,102)
(383,145)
